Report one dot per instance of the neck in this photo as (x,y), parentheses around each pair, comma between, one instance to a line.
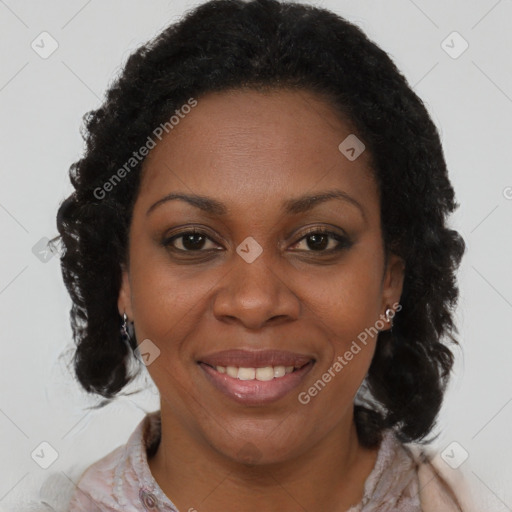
(329,476)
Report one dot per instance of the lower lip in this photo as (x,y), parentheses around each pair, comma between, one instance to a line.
(256,392)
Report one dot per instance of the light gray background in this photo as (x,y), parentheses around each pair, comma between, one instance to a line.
(41,105)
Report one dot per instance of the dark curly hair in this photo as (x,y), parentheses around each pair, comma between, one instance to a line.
(262,44)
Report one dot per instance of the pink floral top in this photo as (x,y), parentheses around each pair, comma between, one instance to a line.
(122,482)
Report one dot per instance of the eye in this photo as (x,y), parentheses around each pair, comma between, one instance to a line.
(317,240)
(188,241)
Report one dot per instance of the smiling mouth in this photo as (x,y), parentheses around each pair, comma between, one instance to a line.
(262,374)
(257,387)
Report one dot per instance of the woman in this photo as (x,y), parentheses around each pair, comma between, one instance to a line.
(260,219)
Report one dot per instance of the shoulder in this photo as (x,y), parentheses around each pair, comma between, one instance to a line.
(95,486)
(77,489)
(442,488)
(53,493)
(113,482)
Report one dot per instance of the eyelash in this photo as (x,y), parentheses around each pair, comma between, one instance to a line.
(343,241)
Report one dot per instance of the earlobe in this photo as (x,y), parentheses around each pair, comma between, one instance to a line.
(124,303)
(394,281)
(392,289)
(398,273)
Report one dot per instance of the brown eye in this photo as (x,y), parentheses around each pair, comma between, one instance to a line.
(188,241)
(321,240)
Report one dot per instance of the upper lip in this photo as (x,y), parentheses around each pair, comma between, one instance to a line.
(255,359)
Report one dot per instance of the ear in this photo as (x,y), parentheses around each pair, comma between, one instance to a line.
(124,300)
(393,281)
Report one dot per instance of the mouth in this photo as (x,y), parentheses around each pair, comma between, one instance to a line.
(255,378)
(262,374)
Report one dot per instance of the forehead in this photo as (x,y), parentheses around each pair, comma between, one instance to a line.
(254,146)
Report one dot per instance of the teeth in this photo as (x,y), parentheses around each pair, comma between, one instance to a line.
(263,374)
(266,373)
(279,371)
(246,373)
(232,371)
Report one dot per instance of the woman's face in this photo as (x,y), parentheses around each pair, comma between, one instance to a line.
(258,277)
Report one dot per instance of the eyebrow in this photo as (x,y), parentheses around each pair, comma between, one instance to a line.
(292,206)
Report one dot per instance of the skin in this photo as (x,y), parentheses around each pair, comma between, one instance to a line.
(252,151)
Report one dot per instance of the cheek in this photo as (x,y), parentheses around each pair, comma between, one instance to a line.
(347,301)
(163,295)
(164,309)
(169,305)
(345,311)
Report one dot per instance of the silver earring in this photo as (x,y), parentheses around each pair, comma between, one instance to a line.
(125,334)
(389,317)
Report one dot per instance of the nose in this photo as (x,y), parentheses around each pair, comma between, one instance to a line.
(255,294)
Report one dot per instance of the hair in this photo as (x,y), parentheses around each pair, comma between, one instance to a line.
(257,45)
